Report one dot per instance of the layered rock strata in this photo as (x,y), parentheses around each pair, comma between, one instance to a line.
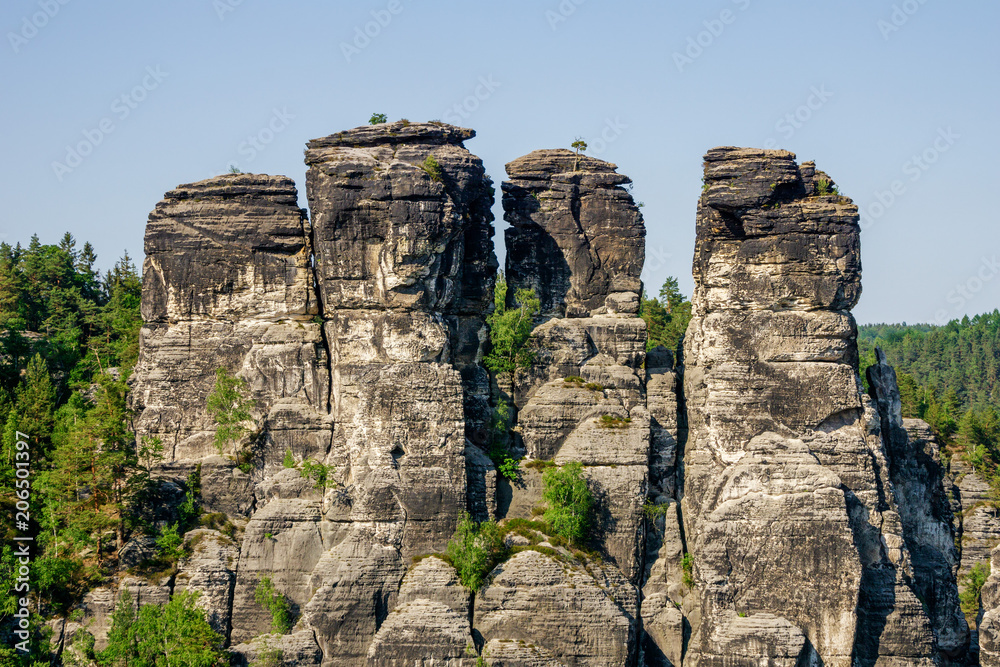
(358,335)
(789,511)
(576,236)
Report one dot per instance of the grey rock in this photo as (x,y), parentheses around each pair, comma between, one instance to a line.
(785,471)
(576,236)
(298,649)
(574,611)
(918,477)
(210,571)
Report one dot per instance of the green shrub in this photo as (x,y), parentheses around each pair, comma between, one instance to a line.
(825,187)
(613,421)
(574,378)
(320,474)
(687,569)
(973,586)
(570,502)
(289,460)
(594,386)
(499,450)
(510,468)
(228,405)
(170,543)
(378,119)
(579,144)
(433,168)
(510,329)
(173,634)
(274,602)
(474,550)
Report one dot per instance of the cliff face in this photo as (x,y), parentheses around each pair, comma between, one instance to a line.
(786,479)
(755,506)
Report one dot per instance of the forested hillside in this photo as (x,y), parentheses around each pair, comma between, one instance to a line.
(948,377)
(68,342)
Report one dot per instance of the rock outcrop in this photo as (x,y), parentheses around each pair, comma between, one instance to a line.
(989,618)
(358,335)
(576,237)
(785,474)
(754,504)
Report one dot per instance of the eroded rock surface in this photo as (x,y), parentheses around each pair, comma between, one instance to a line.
(577,238)
(785,473)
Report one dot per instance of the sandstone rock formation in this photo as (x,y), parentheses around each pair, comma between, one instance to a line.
(755,505)
(989,619)
(364,360)
(785,472)
(576,238)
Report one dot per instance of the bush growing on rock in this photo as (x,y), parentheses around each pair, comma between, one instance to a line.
(570,502)
(154,636)
(229,407)
(973,586)
(378,119)
(274,602)
(510,329)
(474,550)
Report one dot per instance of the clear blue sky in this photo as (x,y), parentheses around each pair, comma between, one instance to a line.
(202,76)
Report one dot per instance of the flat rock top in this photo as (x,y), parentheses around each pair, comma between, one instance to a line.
(544,163)
(400,132)
(722,153)
(230,186)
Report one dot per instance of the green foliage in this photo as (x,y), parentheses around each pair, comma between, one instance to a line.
(289,460)
(825,187)
(233,169)
(574,379)
(653,510)
(500,442)
(267,655)
(687,569)
(474,550)
(433,168)
(947,376)
(613,421)
(230,408)
(579,144)
(972,586)
(162,636)
(510,329)
(666,317)
(378,119)
(170,543)
(276,604)
(570,502)
(510,468)
(68,341)
(320,474)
